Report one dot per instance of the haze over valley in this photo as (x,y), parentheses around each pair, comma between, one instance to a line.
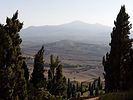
(76,30)
(66,50)
(78,44)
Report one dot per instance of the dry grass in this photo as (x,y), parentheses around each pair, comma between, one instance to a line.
(118,96)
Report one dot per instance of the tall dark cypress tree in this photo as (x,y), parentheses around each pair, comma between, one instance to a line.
(59,74)
(73,90)
(54,63)
(129,74)
(12,80)
(26,71)
(69,89)
(81,88)
(38,71)
(114,62)
(56,80)
(60,82)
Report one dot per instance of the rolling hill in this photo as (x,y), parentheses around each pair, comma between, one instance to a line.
(81,61)
(70,52)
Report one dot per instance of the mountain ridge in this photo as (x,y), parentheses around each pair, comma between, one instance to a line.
(72,22)
(76,30)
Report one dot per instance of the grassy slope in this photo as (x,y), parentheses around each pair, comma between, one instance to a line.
(118,96)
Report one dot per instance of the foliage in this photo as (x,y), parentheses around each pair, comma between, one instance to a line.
(116,62)
(26,71)
(73,90)
(69,89)
(13,84)
(41,94)
(56,80)
(81,88)
(14,75)
(38,71)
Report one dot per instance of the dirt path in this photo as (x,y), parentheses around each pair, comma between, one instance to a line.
(96,98)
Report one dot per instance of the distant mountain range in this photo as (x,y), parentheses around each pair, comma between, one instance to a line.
(76,30)
(76,42)
(80,46)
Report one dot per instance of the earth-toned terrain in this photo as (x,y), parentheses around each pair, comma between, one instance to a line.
(82,61)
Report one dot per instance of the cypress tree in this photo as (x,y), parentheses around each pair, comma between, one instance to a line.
(56,80)
(59,74)
(64,87)
(73,90)
(68,89)
(114,62)
(99,83)
(60,82)
(81,88)
(54,63)
(91,90)
(77,87)
(26,71)
(38,72)
(97,91)
(128,72)
(89,86)
(13,84)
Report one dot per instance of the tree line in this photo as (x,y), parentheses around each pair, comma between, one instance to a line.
(15,83)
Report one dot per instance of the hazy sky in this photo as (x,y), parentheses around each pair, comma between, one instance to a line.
(47,12)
